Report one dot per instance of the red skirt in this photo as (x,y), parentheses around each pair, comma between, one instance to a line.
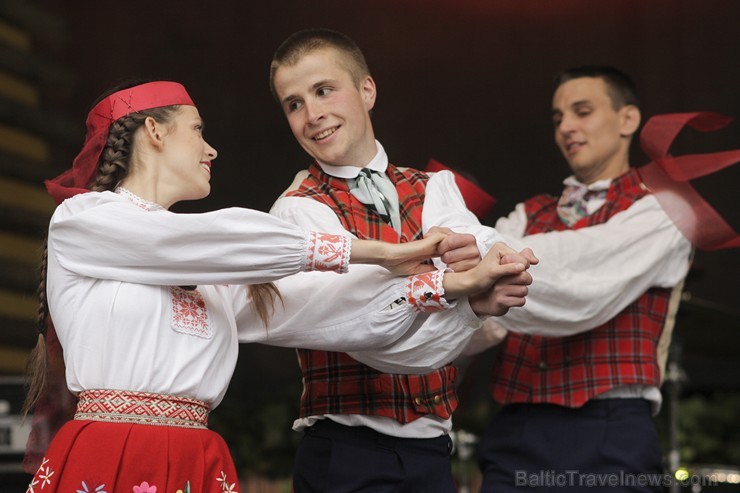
(108,455)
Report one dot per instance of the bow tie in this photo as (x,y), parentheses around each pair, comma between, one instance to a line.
(573,203)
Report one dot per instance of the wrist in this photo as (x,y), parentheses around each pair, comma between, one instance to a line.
(479,303)
(369,252)
(328,252)
(425,292)
(456,284)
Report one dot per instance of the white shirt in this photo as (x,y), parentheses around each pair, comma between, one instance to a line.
(434,340)
(112,260)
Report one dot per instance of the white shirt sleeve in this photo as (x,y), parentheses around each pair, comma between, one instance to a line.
(444,206)
(351,312)
(426,342)
(587,276)
(104,236)
(515,224)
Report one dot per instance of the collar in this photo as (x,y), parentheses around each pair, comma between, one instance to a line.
(147,205)
(596,186)
(378,163)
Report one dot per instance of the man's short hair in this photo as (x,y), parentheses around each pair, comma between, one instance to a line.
(301,43)
(620,86)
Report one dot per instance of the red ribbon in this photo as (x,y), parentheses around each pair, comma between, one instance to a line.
(476,199)
(668,177)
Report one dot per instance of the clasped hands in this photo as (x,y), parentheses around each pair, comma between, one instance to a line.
(493,284)
(499,280)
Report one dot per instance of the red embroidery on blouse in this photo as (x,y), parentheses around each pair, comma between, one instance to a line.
(328,252)
(189,313)
(424,292)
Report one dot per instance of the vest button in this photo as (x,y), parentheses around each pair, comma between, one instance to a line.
(437,399)
(542,365)
(418,401)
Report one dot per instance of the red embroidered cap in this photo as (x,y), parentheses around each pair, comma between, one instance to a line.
(476,199)
(117,105)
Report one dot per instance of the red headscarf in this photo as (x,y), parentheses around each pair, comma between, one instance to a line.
(119,104)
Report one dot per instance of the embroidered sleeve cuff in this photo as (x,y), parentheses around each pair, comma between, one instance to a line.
(328,252)
(424,292)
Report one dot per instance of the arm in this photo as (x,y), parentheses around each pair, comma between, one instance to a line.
(102,235)
(356,312)
(319,310)
(445,207)
(587,276)
(489,335)
(428,341)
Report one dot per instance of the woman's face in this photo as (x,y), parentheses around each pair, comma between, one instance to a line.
(185,167)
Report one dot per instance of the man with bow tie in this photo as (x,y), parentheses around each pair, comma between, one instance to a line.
(578,375)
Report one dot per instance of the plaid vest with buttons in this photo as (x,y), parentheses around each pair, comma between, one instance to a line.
(334,383)
(569,371)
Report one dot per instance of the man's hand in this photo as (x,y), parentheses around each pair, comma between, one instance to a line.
(508,291)
(410,258)
(458,251)
(508,255)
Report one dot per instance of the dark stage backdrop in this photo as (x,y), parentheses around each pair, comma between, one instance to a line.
(466,82)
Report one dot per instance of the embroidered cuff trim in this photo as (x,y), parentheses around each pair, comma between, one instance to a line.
(328,252)
(424,292)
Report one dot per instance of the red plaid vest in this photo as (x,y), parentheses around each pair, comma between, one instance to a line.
(334,383)
(569,371)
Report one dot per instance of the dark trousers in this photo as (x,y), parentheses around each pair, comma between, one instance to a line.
(334,458)
(608,445)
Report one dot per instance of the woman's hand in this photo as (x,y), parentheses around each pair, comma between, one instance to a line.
(403,259)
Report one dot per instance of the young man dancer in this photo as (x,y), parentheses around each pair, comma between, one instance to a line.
(578,375)
(369,428)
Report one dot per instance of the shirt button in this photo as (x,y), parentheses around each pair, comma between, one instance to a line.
(418,401)
(437,399)
(542,365)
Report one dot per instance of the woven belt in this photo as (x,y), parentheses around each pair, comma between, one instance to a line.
(122,406)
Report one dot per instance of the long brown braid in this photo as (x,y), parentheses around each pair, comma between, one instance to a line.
(114,166)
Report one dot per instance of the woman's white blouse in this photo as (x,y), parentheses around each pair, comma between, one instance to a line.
(114,266)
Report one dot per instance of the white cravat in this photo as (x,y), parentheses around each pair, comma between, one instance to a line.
(371,186)
(376,191)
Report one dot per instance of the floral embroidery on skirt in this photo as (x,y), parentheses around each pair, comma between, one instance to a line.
(100,457)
